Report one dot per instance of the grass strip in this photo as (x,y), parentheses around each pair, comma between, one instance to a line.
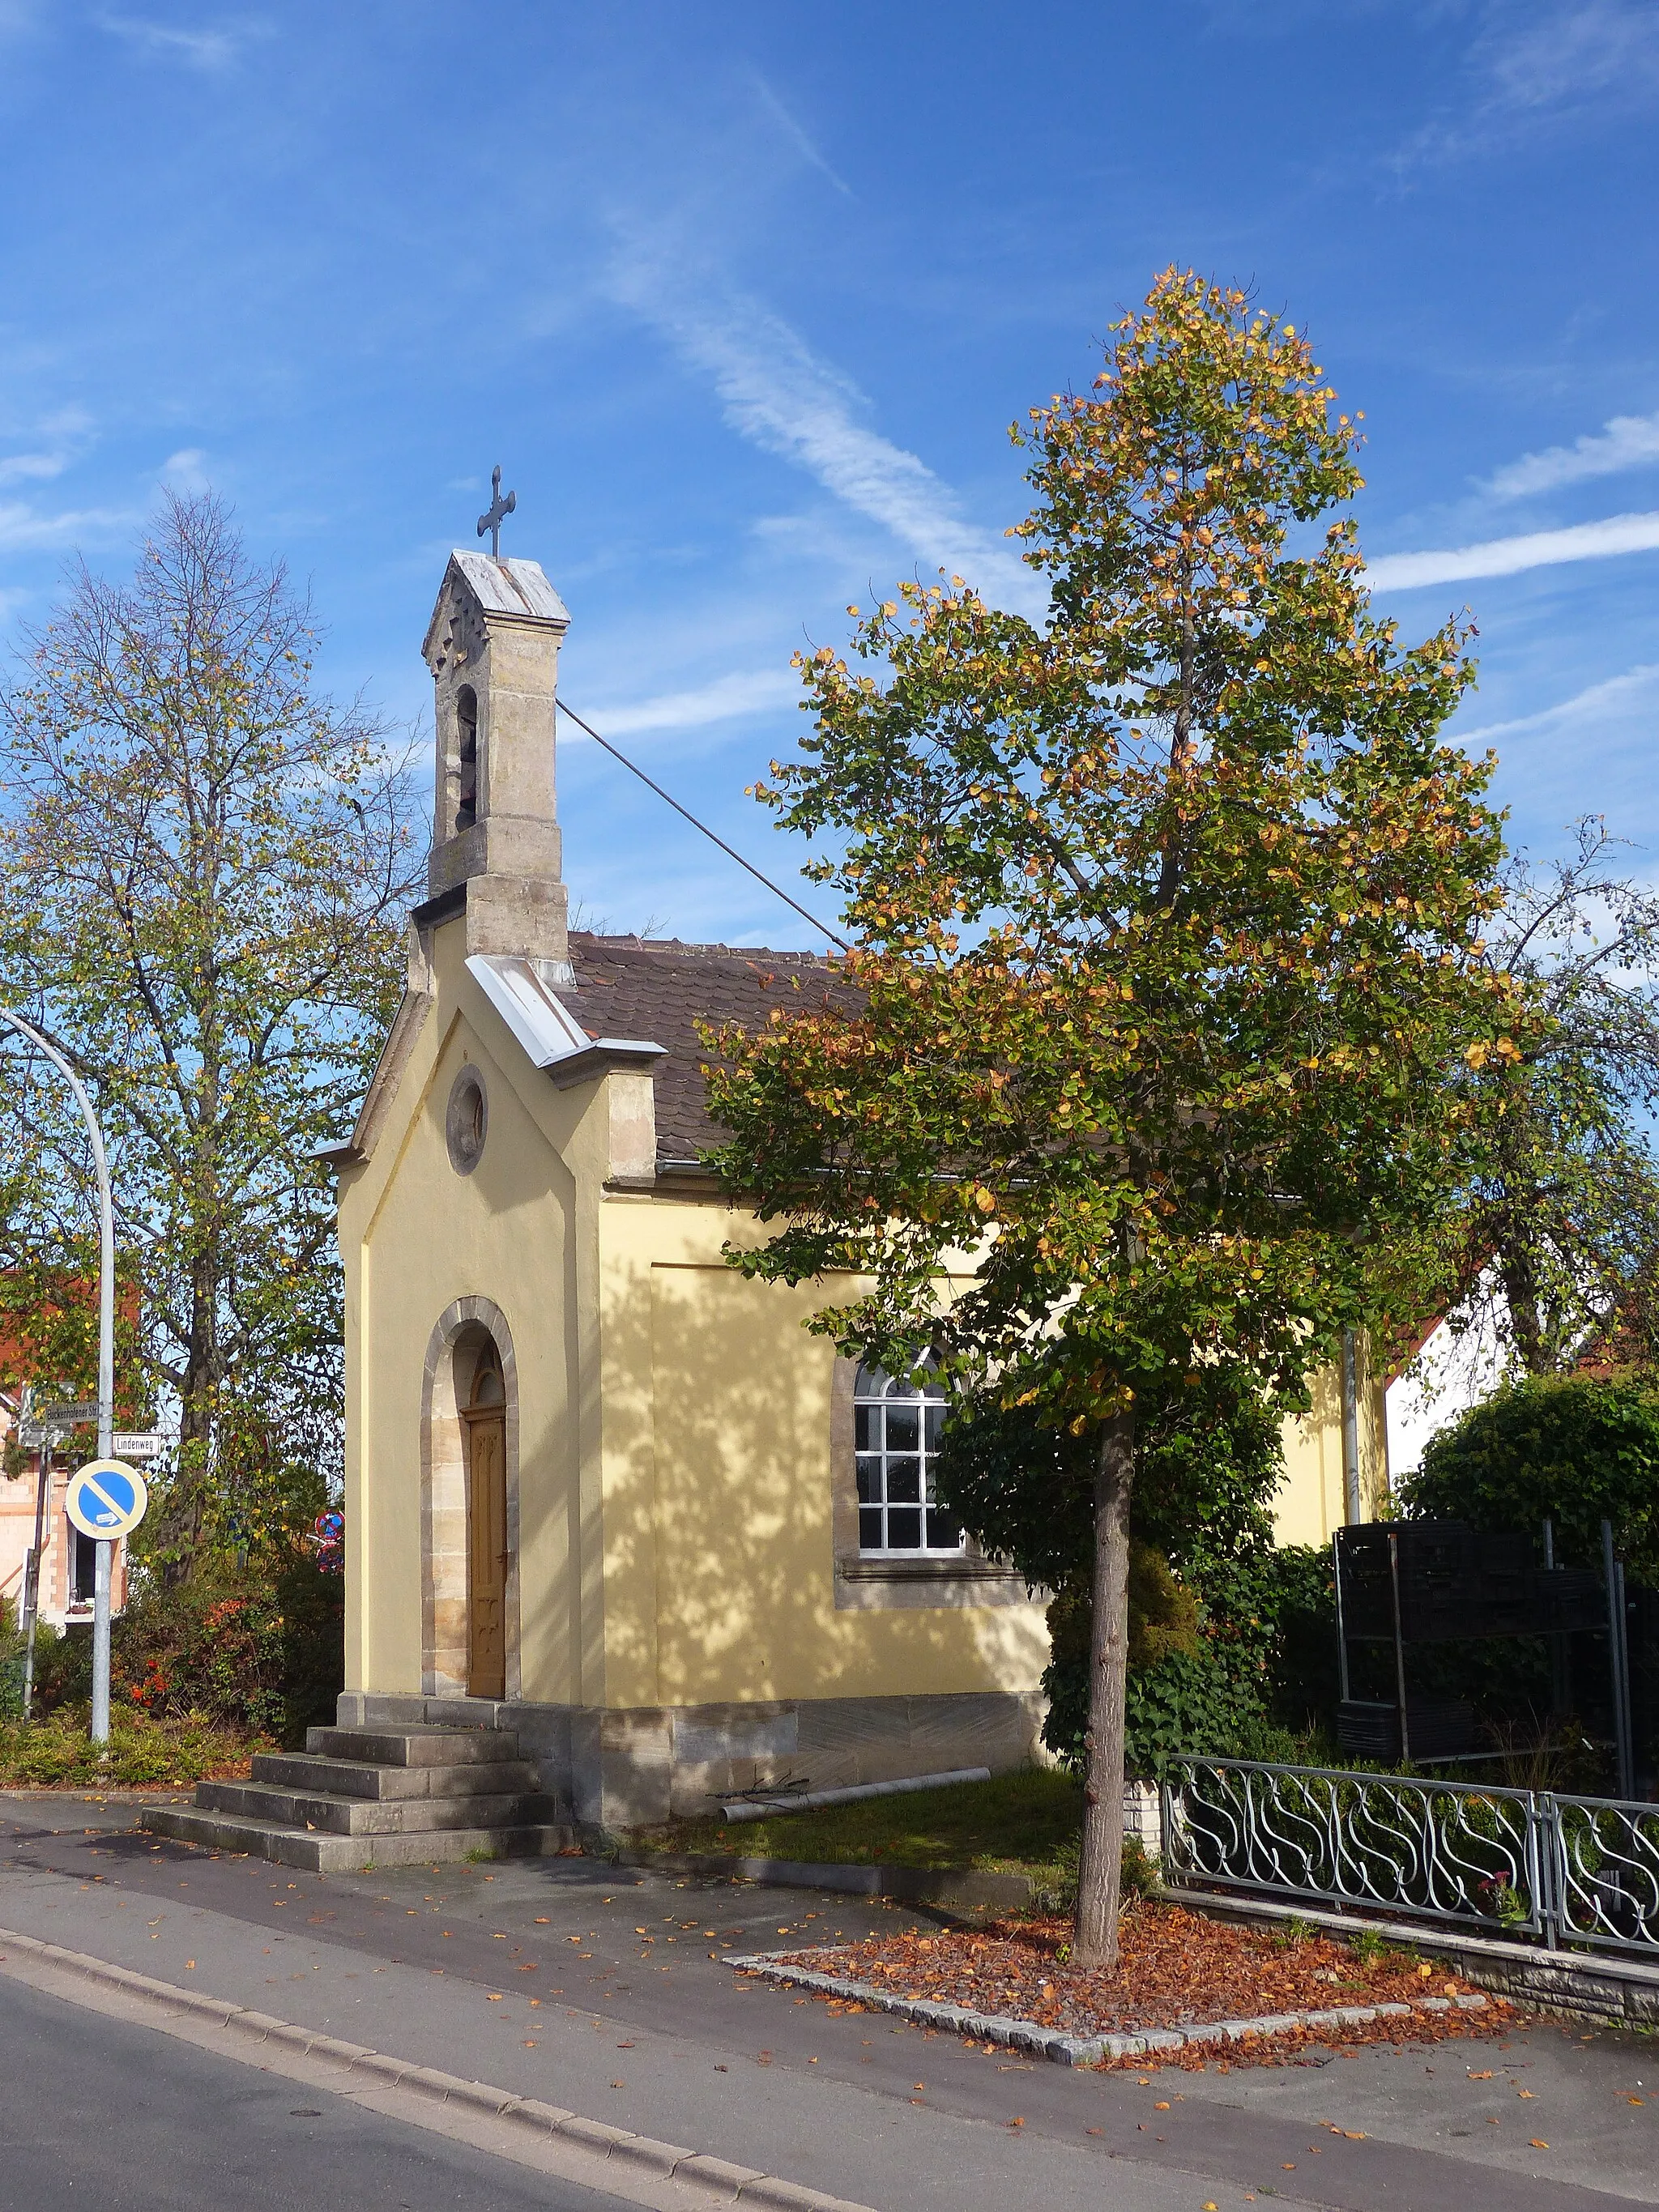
(1025,1823)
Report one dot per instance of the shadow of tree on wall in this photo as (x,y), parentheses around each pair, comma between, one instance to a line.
(719,1517)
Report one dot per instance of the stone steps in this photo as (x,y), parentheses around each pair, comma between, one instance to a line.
(427,1745)
(374,1816)
(312,1771)
(359,1798)
(317,1853)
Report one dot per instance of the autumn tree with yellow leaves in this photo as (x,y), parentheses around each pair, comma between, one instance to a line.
(203,860)
(1167,977)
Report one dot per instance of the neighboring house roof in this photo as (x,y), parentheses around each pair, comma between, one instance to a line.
(660,989)
(1613,1351)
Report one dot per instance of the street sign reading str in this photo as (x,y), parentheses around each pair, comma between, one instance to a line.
(76,1414)
(106,1498)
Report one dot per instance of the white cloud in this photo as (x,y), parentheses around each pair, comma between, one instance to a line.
(1544,66)
(185,470)
(1611,699)
(1565,55)
(63,437)
(781,396)
(32,468)
(20,526)
(797,137)
(209,50)
(751,693)
(1507,557)
(1589,753)
(1628,441)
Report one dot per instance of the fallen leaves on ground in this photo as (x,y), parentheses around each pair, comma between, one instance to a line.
(1176,1969)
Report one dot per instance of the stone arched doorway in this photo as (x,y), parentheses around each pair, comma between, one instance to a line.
(470,1507)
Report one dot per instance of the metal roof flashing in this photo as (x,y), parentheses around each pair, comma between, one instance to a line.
(544,1028)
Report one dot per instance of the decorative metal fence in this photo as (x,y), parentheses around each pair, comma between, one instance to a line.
(1605,1860)
(1510,1862)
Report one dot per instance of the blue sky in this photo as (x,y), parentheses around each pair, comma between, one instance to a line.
(745,298)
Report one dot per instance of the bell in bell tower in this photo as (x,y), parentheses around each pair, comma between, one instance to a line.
(493,648)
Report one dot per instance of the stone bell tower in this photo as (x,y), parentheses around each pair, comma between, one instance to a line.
(493,648)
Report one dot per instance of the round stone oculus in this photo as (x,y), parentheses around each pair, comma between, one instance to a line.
(466,1120)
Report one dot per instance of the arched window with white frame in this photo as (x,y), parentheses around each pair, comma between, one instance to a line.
(896,1424)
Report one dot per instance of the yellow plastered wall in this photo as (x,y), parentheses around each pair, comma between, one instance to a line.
(1311,1500)
(719,1489)
(416,1238)
(674,1483)
(675,1489)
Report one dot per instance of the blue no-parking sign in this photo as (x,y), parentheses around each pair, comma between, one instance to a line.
(106,1498)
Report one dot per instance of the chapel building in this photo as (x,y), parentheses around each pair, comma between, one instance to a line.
(601,1489)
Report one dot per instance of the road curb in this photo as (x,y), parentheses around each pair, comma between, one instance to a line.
(714,2178)
(1031,2038)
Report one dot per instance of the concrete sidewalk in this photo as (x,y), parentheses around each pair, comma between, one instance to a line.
(593,1988)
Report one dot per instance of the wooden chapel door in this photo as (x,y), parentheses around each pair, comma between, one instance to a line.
(486,1530)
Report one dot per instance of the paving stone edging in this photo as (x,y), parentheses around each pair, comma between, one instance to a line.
(722,2181)
(1602,1986)
(1039,2042)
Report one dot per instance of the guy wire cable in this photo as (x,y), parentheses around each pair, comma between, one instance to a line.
(775,888)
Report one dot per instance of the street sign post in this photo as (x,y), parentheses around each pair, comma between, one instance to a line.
(106,1500)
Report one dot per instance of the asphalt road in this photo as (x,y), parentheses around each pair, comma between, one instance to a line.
(116,2118)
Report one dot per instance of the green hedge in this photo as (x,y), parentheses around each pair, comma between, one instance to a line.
(1232,1643)
(263,1657)
(1257,1681)
(1569,1447)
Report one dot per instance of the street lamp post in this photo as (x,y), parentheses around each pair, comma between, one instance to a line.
(105,1365)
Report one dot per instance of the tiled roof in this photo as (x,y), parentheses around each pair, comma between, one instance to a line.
(656,990)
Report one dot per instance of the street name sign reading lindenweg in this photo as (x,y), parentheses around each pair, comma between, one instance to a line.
(138,1444)
(106,1500)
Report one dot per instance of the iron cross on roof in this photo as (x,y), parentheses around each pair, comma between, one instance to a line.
(500,508)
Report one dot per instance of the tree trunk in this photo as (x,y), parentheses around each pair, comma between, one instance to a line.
(1100,1868)
(1521,1292)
